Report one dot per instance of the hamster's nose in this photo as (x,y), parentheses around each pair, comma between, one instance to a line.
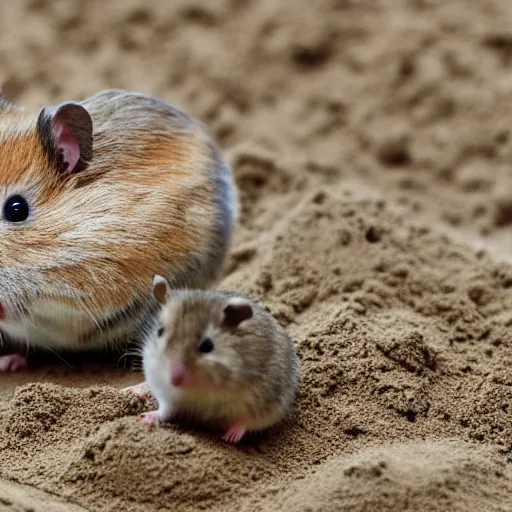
(2,311)
(178,375)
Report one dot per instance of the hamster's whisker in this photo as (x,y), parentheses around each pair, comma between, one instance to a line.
(60,357)
(20,309)
(27,347)
(137,365)
(135,352)
(86,310)
(128,354)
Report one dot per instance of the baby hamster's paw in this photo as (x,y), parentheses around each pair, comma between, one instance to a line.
(141,390)
(154,418)
(235,433)
(12,363)
(151,419)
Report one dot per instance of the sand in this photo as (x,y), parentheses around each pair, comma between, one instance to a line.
(371,145)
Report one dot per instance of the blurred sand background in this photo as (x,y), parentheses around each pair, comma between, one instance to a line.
(371,143)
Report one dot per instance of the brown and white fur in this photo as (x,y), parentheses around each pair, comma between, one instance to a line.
(120,186)
(247,381)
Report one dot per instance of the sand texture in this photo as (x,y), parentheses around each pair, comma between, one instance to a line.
(371,145)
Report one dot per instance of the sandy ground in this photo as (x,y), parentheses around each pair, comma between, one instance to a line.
(371,144)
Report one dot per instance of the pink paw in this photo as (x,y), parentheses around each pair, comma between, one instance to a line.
(151,419)
(234,433)
(139,390)
(12,363)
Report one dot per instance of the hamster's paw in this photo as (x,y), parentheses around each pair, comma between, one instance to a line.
(151,419)
(12,363)
(140,390)
(234,433)
(154,418)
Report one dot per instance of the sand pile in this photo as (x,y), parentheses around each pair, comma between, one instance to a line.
(371,144)
(410,476)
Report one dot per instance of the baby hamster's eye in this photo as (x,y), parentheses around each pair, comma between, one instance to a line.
(16,209)
(160,331)
(206,346)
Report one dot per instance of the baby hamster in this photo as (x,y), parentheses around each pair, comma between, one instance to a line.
(218,358)
(96,197)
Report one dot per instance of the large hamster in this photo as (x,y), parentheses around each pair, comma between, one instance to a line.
(96,197)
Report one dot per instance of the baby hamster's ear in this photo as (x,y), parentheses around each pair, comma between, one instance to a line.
(237,310)
(66,135)
(160,289)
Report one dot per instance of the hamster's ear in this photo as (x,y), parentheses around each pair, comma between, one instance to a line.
(237,310)
(160,289)
(66,135)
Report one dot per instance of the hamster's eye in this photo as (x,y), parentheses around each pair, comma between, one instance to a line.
(206,346)
(160,331)
(16,209)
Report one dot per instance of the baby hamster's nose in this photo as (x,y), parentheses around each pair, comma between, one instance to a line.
(178,374)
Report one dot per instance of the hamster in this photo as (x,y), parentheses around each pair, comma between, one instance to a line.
(218,358)
(96,197)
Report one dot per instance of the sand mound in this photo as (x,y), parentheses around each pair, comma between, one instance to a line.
(429,476)
(371,145)
(22,498)
(87,443)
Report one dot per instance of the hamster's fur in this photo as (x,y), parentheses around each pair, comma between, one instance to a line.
(120,186)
